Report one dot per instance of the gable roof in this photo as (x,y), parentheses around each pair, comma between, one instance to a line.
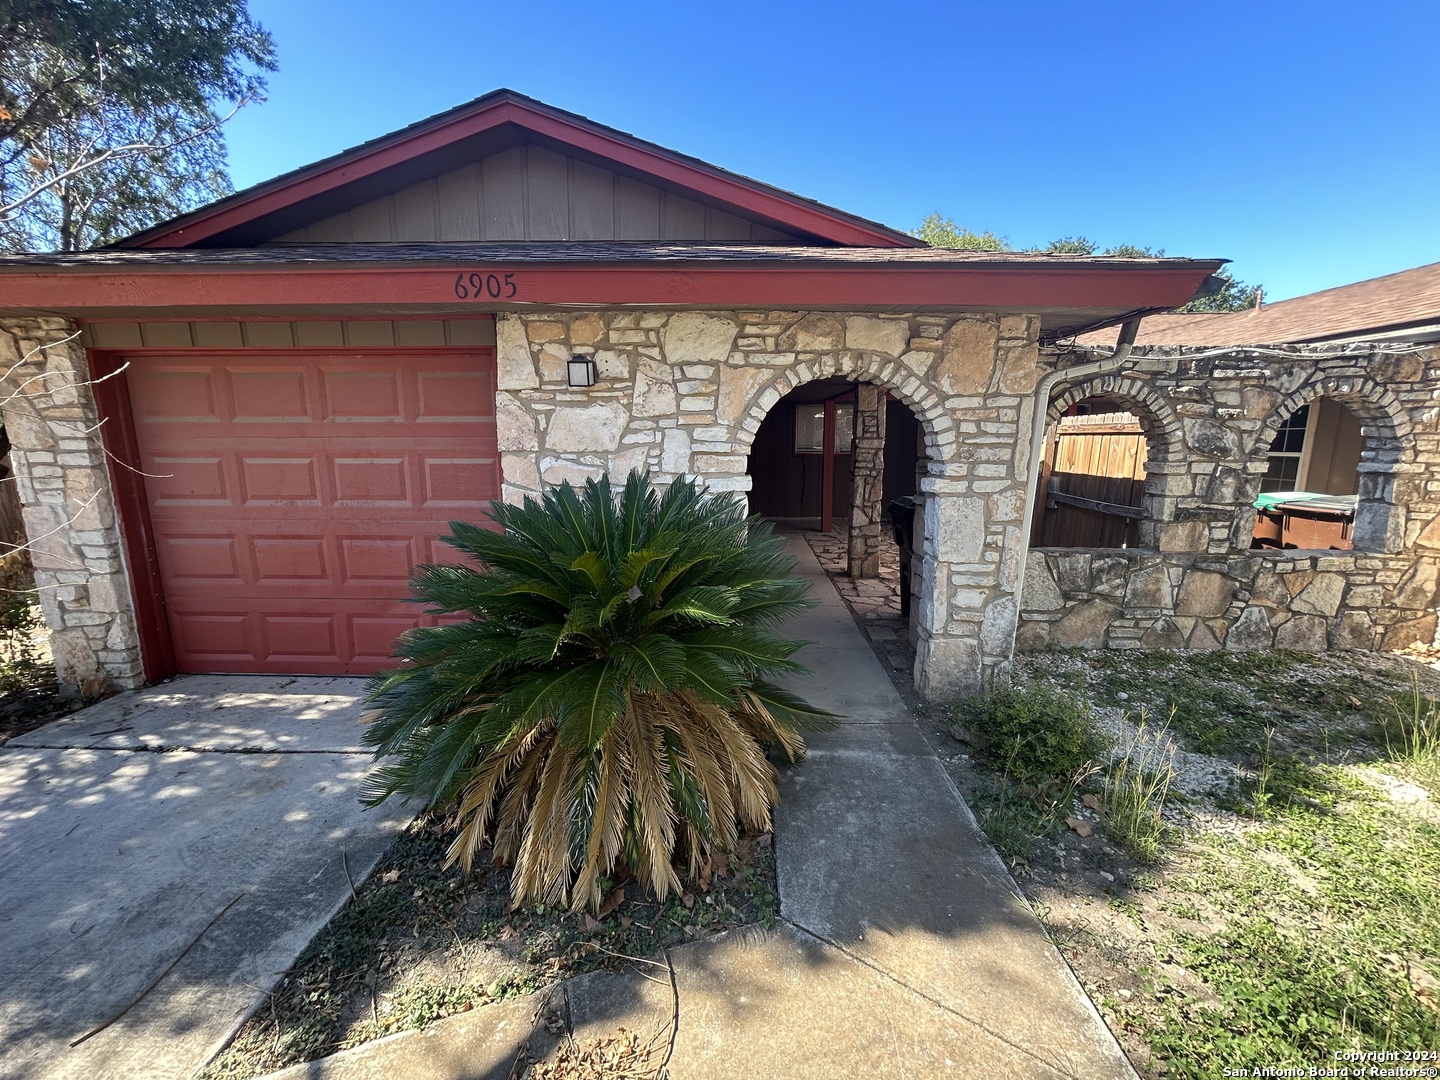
(1396,307)
(488,124)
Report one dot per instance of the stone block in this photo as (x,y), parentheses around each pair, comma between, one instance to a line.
(957,523)
(1417,588)
(1085,625)
(1175,536)
(814,333)
(654,390)
(586,329)
(1303,633)
(1162,634)
(1250,631)
(967,357)
(1210,438)
(696,337)
(1205,594)
(1150,589)
(1322,596)
(867,333)
(675,455)
(1108,576)
(593,429)
(514,424)
(1039,592)
(556,471)
(1354,630)
(1419,631)
(520,470)
(997,628)
(1072,571)
(514,367)
(1031,636)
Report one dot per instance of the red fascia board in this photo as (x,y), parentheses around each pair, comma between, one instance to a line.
(433,289)
(730,191)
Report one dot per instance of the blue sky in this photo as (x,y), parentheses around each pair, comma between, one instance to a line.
(1297,139)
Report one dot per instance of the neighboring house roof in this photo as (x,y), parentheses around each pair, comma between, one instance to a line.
(1401,307)
(490,123)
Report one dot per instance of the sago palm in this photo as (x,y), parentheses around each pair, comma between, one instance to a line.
(606,699)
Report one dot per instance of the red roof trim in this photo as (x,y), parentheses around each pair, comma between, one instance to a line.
(508,108)
(397,290)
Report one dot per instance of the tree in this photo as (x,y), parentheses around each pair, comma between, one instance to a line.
(110,112)
(605,703)
(943,232)
(1234,295)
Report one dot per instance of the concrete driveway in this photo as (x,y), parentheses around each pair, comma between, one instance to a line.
(127,828)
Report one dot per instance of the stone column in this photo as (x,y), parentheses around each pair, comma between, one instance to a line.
(63,482)
(867,481)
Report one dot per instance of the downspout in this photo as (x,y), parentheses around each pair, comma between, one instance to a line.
(1123,344)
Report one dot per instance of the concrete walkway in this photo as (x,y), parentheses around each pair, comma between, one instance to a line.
(126,828)
(903,948)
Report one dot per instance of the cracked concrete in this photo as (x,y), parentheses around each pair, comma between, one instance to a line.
(121,842)
(903,948)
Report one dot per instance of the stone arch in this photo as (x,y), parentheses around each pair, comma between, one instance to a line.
(1388,452)
(1164,437)
(924,402)
(940,496)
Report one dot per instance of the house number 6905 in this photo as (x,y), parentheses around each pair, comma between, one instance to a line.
(478,286)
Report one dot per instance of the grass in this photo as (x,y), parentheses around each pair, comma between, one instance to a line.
(419,943)
(1330,939)
(1136,788)
(1293,917)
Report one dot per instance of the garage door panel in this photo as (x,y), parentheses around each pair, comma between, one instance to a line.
(291,499)
(173,395)
(361,396)
(269,481)
(268,397)
(366,481)
(187,481)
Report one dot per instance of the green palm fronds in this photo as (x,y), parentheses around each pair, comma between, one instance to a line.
(607,699)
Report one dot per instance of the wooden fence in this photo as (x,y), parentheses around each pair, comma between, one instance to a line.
(1092,482)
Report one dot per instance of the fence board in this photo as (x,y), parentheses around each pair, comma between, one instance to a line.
(1095,485)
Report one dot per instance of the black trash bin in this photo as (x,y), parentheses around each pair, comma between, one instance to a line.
(902,520)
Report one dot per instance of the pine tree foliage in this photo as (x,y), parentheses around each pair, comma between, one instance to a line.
(607,700)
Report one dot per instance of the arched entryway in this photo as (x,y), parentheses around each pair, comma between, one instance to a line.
(839,462)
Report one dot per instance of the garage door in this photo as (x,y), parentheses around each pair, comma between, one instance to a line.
(290,498)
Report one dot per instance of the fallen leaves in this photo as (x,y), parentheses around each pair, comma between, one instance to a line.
(1080,826)
(1091,800)
(621,1056)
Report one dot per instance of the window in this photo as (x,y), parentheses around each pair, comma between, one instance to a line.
(810,428)
(1283,471)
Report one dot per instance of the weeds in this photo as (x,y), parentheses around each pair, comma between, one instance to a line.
(1034,733)
(1136,787)
(1412,732)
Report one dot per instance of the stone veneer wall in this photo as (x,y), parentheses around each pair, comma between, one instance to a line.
(1196,584)
(683,393)
(1311,601)
(64,487)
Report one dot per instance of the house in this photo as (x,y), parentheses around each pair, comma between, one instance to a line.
(1332,394)
(236,432)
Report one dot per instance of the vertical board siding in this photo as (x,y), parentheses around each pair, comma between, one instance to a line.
(592,202)
(459,195)
(1100,457)
(531,193)
(502,178)
(417,211)
(547,206)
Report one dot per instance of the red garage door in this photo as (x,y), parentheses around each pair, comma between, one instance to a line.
(290,497)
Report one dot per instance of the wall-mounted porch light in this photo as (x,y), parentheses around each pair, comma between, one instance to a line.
(582,369)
